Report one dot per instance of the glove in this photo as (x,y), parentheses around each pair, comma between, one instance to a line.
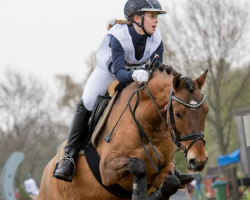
(140,76)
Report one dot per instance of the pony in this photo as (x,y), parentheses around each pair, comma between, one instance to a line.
(153,117)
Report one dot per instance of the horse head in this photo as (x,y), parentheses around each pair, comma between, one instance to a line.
(185,111)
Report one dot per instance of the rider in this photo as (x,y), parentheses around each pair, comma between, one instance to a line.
(122,55)
(30,186)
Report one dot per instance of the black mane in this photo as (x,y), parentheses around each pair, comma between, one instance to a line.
(187,82)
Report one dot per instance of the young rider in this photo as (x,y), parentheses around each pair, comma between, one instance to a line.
(122,55)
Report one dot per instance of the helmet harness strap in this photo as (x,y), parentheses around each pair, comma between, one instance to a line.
(141,25)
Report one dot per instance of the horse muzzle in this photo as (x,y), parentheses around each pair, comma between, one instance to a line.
(196,164)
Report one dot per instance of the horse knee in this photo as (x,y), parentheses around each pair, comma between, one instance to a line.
(137,168)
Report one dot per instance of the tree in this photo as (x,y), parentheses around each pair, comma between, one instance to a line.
(72,90)
(212,34)
(27,123)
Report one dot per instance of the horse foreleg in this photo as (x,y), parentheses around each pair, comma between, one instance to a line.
(113,170)
(138,171)
(120,170)
(169,187)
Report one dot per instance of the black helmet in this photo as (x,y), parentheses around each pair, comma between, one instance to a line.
(138,7)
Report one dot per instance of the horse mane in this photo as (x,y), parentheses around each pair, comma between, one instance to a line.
(188,83)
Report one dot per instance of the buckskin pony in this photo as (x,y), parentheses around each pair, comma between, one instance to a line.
(168,110)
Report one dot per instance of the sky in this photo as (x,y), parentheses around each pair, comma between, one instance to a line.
(48,37)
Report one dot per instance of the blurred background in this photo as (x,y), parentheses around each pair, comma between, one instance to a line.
(47,51)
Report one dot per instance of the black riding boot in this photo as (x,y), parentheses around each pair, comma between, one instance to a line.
(78,136)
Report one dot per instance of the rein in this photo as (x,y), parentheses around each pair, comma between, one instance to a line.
(142,133)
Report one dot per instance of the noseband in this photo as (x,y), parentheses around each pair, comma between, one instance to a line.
(175,136)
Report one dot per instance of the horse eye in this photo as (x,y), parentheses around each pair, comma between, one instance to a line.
(178,115)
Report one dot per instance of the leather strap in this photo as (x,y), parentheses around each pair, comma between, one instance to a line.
(93,160)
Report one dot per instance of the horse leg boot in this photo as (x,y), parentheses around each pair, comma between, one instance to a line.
(169,187)
(184,178)
(78,136)
(137,169)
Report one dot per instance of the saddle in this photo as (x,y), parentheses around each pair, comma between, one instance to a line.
(101,111)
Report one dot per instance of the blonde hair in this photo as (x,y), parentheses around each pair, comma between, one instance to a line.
(112,22)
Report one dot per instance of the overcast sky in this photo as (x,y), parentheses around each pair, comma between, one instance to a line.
(46,37)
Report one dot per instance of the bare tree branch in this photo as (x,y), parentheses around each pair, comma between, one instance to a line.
(212,34)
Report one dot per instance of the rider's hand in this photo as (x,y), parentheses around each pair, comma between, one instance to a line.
(140,76)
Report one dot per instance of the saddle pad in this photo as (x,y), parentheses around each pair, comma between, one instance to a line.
(112,87)
(103,119)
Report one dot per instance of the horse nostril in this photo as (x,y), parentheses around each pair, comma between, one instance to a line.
(193,163)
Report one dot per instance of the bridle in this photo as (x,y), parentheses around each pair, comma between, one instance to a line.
(175,136)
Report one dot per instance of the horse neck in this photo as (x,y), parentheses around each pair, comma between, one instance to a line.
(147,111)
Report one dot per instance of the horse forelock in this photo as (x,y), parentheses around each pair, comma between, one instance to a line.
(189,84)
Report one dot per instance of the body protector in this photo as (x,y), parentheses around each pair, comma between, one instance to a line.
(121,33)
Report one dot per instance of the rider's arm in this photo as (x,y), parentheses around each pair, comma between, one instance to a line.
(117,67)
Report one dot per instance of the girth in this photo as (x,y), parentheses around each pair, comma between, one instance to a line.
(93,160)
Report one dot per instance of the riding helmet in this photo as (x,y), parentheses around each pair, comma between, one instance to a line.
(138,7)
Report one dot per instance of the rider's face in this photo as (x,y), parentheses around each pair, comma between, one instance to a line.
(150,22)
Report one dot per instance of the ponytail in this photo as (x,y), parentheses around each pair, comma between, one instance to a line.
(112,22)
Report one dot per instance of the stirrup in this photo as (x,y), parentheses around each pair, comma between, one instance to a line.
(58,162)
(67,158)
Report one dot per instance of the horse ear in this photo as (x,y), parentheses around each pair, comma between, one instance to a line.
(177,82)
(202,79)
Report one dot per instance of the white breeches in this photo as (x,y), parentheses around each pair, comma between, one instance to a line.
(97,84)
